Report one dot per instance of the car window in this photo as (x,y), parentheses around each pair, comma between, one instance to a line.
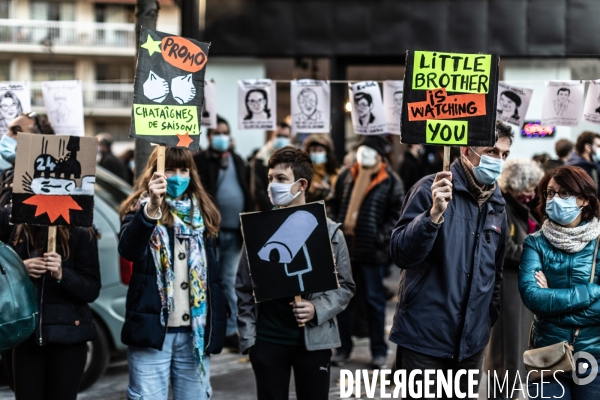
(110,188)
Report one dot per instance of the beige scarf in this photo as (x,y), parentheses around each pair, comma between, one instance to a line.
(481,193)
(359,191)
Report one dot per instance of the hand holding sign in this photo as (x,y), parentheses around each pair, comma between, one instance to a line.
(304,311)
(441,192)
(157,187)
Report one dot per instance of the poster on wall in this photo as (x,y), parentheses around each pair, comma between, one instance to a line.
(310,106)
(257,104)
(513,103)
(64,106)
(54,180)
(15,98)
(563,103)
(209,111)
(168,92)
(368,117)
(591,109)
(450,98)
(393,93)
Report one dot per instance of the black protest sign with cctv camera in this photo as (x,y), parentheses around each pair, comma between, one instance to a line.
(289,251)
(450,99)
(168,90)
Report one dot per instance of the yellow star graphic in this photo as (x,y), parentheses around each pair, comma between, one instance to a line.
(151,45)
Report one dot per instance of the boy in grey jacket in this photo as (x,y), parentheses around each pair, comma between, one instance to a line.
(269,331)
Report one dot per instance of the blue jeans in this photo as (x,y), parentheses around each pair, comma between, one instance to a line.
(229,250)
(564,388)
(370,289)
(151,370)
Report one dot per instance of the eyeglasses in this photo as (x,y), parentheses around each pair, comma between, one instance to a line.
(562,193)
(36,116)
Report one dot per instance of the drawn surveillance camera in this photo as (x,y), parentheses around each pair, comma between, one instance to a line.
(183,89)
(288,240)
(155,88)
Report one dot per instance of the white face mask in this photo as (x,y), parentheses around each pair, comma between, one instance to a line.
(281,193)
(366,156)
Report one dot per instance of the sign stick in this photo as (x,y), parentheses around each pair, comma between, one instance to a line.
(51,238)
(447,158)
(298,299)
(160,160)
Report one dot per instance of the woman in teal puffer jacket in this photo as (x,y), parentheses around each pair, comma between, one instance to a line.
(554,277)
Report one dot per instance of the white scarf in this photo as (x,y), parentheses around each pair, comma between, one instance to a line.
(571,240)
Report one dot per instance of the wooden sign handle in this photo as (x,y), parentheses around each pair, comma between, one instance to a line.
(447,158)
(51,238)
(160,160)
(298,299)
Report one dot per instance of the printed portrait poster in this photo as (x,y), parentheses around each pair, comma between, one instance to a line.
(168,91)
(54,180)
(64,106)
(450,98)
(563,103)
(257,104)
(15,98)
(591,109)
(310,106)
(289,251)
(367,113)
(209,111)
(512,104)
(393,93)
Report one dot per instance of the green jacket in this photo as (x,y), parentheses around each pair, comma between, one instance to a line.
(571,301)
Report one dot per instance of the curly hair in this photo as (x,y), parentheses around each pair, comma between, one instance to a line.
(518,174)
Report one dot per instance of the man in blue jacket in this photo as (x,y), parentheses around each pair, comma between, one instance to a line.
(449,243)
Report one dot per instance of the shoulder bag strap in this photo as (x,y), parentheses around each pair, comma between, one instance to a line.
(591,281)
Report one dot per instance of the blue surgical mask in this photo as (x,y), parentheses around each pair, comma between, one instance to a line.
(220,143)
(488,170)
(563,211)
(318,158)
(177,185)
(281,142)
(8,148)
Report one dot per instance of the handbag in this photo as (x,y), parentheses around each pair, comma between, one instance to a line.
(18,302)
(556,357)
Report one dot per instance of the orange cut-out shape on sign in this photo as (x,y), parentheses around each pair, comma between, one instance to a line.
(54,206)
(183,54)
(184,140)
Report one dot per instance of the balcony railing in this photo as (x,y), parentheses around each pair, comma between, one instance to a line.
(66,33)
(95,95)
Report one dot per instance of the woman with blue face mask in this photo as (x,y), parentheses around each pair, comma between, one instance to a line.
(325,169)
(554,278)
(168,231)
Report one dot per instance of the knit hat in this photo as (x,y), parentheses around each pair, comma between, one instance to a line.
(322,140)
(375,142)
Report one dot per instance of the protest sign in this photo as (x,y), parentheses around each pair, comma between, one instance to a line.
(15,99)
(450,98)
(54,180)
(591,109)
(289,251)
(368,117)
(209,112)
(310,106)
(64,106)
(513,103)
(168,90)
(257,104)
(563,103)
(393,93)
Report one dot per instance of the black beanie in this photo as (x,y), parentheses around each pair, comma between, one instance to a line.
(375,142)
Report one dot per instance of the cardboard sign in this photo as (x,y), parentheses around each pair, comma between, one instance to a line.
(563,103)
(450,98)
(393,94)
(368,117)
(289,251)
(54,180)
(310,106)
(168,92)
(15,98)
(257,104)
(591,109)
(209,111)
(513,103)
(64,106)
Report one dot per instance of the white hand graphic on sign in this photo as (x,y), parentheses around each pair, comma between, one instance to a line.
(183,89)
(156,88)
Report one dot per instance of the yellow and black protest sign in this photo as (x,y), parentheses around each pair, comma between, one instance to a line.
(450,98)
